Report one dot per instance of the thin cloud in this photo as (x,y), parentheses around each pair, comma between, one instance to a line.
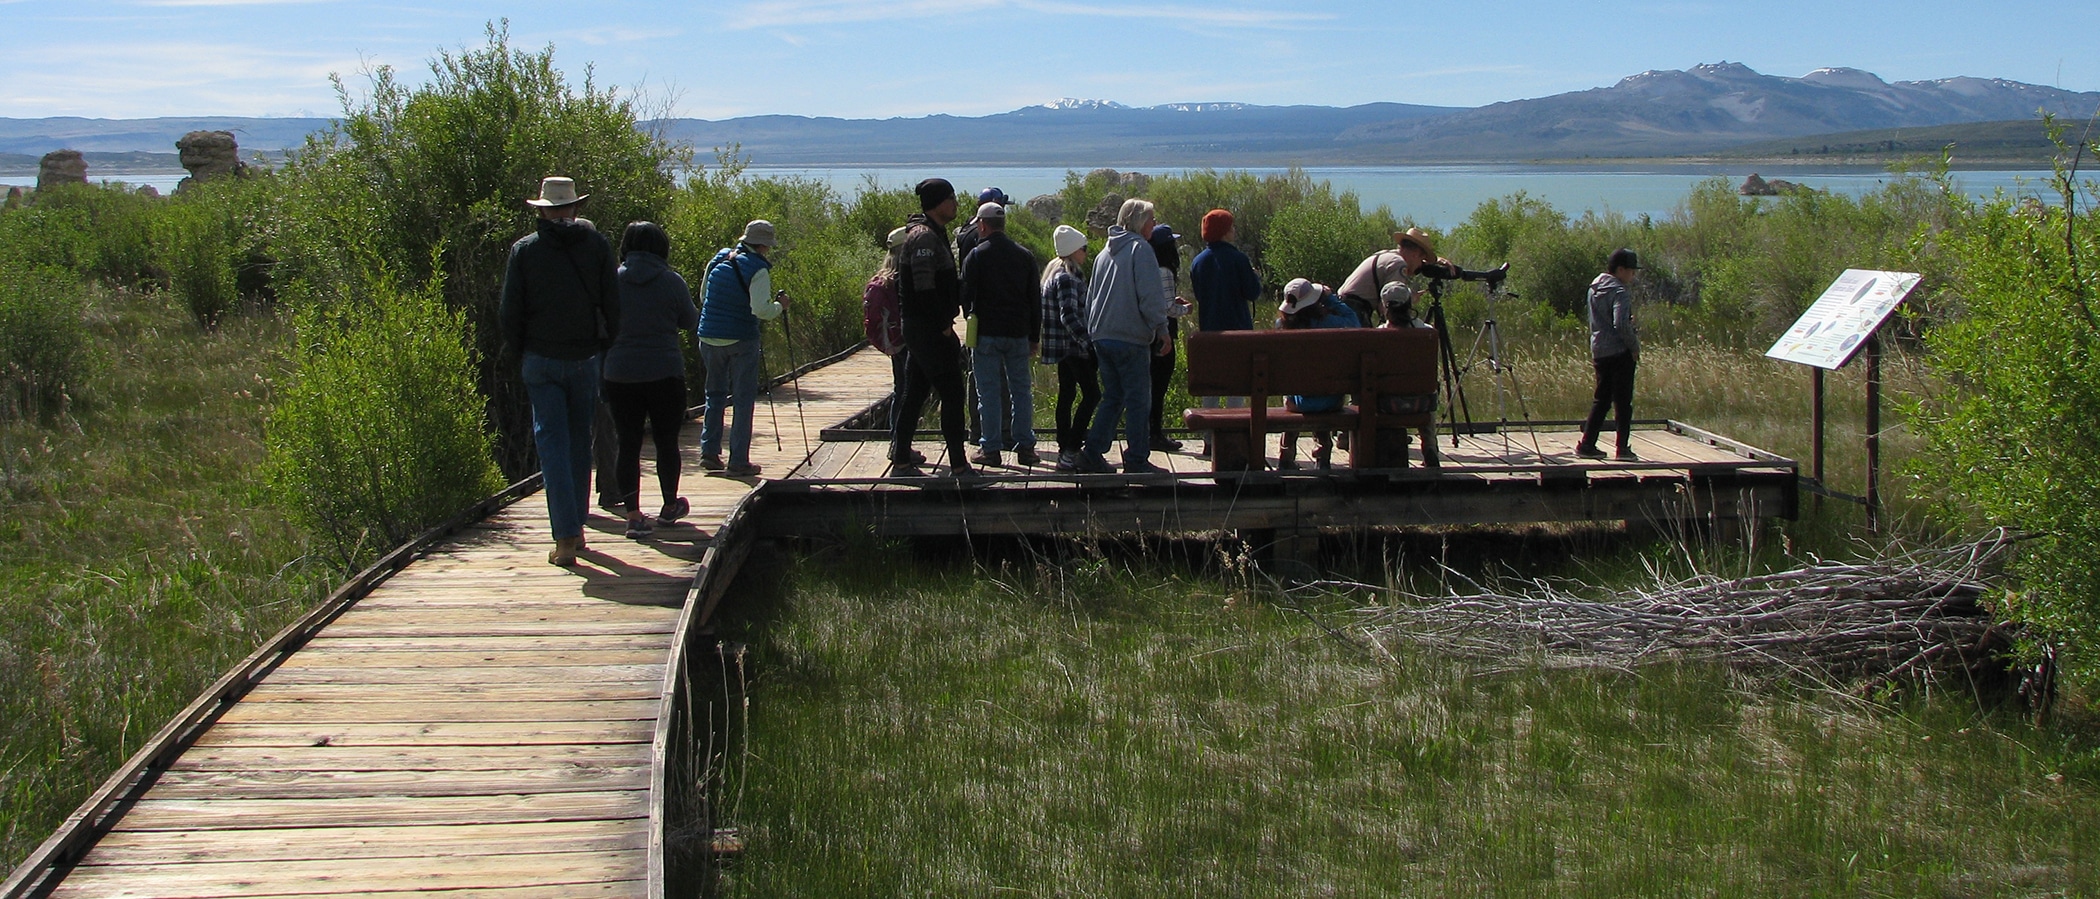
(838,12)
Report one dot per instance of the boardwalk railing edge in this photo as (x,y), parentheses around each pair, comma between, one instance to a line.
(45,867)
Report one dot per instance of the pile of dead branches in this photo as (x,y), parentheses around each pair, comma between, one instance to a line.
(1917,614)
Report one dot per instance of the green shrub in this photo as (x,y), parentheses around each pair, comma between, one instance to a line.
(1322,237)
(43,341)
(196,243)
(108,232)
(379,433)
(435,177)
(2011,439)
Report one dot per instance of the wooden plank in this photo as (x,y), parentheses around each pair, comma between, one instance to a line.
(314,657)
(307,714)
(526,628)
(334,757)
(299,784)
(312,844)
(335,878)
(427,734)
(252,814)
(544,676)
(395,694)
(500,613)
(491,642)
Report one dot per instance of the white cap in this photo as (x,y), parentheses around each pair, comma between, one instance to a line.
(989,211)
(896,238)
(1067,240)
(1300,294)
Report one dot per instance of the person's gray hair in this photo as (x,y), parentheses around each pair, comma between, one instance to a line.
(1132,216)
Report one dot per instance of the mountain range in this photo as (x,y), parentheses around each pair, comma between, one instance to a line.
(1703,110)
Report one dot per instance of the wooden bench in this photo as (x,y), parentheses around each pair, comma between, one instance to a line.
(1365,364)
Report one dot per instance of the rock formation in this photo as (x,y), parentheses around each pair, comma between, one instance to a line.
(1048,207)
(1755,186)
(61,167)
(1103,215)
(208,155)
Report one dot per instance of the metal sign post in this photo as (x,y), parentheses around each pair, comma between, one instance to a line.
(1837,327)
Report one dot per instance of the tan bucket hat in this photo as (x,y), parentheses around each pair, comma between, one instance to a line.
(1419,238)
(558,191)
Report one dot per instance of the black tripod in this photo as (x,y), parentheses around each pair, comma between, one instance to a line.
(1487,347)
(1447,366)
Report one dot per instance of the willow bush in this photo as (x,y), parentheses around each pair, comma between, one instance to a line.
(379,432)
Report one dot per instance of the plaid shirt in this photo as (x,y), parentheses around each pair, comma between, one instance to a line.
(1064,319)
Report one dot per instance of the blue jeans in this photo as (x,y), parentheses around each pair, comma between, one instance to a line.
(1003,366)
(564,395)
(1126,393)
(732,381)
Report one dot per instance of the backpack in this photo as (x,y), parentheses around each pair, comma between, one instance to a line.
(882,315)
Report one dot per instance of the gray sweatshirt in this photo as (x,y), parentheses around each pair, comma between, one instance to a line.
(1611,319)
(1124,299)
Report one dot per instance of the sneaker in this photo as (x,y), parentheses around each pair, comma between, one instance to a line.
(1143,468)
(675,509)
(1026,457)
(1067,461)
(988,458)
(962,471)
(1286,465)
(711,463)
(914,457)
(639,527)
(1625,454)
(1092,463)
(743,470)
(1161,441)
(906,470)
(1589,451)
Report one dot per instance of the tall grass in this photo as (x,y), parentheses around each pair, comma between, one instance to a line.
(1096,726)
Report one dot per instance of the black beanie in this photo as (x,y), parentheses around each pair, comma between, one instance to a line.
(933,192)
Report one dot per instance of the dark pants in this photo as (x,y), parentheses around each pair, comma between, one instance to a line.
(935,367)
(1614,390)
(900,375)
(1162,377)
(662,404)
(1076,375)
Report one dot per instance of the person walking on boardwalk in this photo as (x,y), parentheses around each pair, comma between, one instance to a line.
(1225,285)
(1065,343)
(645,372)
(999,287)
(929,293)
(1615,351)
(1126,319)
(1162,239)
(736,296)
(558,312)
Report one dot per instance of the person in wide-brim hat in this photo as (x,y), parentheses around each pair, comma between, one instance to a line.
(556,192)
(1419,238)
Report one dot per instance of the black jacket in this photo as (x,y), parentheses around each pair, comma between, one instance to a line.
(557,285)
(999,287)
(927,290)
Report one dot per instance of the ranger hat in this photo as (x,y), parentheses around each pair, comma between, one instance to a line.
(1419,238)
(556,192)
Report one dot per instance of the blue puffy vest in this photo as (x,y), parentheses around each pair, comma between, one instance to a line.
(725,300)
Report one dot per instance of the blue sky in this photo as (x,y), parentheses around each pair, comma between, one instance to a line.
(971,57)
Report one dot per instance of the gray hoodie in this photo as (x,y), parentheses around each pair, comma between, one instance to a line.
(1611,319)
(1124,300)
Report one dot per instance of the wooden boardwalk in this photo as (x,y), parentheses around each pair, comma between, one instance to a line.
(483,724)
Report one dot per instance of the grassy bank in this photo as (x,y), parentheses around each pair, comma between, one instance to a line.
(1103,727)
(141,558)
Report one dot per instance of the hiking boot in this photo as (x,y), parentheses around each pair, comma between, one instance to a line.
(1625,454)
(1092,463)
(711,463)
(1160,441)
(1026,457)
(564,553)
(988,458)
(742,470)
(1589,451)
(1143,468)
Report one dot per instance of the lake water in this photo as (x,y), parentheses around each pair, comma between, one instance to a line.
(1435,195)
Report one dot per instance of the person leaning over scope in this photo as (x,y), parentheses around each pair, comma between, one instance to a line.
(1413,252)
(1615,351)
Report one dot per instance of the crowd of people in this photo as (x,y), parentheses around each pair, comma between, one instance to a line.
(582,320)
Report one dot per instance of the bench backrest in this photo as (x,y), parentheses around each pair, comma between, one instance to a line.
(1311,362)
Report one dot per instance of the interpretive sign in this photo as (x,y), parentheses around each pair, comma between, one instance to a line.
(1838,324)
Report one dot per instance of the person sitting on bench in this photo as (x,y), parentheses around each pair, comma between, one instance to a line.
(1307,305)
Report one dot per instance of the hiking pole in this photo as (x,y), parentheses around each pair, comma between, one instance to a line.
(794,371)
(771,409)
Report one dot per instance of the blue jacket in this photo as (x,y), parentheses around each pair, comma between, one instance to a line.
(656,310)
(1338,315)
(725,304)
(1226,288)
(1124,299)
